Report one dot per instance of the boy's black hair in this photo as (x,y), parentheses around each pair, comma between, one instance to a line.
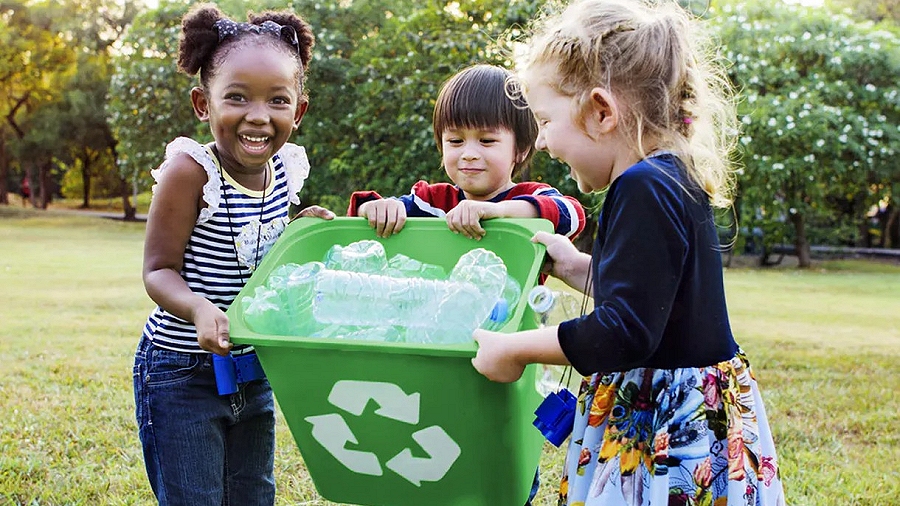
(200,44)
(476,97)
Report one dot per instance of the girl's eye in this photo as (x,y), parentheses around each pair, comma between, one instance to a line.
(488,141)
(454,141)
(281,100)
(235,97)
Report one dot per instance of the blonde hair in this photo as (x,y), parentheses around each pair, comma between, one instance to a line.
(657,60)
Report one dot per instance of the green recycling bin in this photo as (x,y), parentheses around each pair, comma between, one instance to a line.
(401,424)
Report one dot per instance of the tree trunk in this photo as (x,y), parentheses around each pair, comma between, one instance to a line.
(86,182)
(46,192)
(4,172)
(130,211)
(892,228)
(801,243)
(864,236)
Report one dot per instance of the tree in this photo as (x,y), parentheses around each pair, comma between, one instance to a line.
(32,56)
(875,10)
(820,110)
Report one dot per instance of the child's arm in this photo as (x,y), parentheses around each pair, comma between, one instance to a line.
(388,216)
(525,200)
(565,212)
(466,217)
(503,357)
(173,214)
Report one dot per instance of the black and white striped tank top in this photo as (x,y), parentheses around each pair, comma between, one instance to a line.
(232,235)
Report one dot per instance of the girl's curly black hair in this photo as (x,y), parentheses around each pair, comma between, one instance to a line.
(201,49)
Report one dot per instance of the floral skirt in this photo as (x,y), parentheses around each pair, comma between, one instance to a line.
(662,437)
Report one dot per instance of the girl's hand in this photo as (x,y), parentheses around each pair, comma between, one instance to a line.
(386,216)
(212,329)
(315,212)
(466,218)
(564,261)
(495,358)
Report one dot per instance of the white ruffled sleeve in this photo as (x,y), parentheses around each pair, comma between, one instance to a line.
(296,166)
(212,189)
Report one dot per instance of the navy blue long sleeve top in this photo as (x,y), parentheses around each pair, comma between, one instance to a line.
(657,278)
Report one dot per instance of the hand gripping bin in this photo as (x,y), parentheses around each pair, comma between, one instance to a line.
(399,424)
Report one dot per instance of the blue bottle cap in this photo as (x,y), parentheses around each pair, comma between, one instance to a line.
(500,312)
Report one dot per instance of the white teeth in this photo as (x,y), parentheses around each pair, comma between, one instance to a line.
(255,139)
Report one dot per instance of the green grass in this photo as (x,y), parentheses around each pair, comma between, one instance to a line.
(825,345)
(109,204)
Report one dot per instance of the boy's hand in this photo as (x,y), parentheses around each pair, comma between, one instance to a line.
(315,212)
(466,217)
(386,216)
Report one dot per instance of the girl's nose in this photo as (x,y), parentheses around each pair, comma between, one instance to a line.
(258,113)
(540,144)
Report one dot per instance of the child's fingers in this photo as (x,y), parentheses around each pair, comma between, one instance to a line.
(317,212)
(544,238)
(466,221)
(398,219)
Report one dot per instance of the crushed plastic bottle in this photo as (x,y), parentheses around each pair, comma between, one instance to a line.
(261,311)
(552,308)
(361,256)
(402,266)
(505,306)
(431,310)
(356,294)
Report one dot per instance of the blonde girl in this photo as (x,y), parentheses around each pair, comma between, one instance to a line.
(628,95)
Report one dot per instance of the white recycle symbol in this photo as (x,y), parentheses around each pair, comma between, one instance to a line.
(333,433)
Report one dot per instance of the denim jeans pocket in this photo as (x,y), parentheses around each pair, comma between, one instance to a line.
(165,367)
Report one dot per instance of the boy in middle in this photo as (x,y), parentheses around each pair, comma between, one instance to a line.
(485,140)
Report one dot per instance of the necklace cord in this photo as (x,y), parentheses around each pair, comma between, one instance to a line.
(262,208)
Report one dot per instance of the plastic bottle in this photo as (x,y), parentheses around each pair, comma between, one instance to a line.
(552,308)
(360,256)
(436,311)
(505,306)
(261,311)
(283,306)
(402,266)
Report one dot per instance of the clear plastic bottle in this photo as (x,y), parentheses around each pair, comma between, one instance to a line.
(360,256)
(261,311)
(552,308)
(437,311)
(505,306)
(402,266)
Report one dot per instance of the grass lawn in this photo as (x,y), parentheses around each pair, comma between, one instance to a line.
(825,344)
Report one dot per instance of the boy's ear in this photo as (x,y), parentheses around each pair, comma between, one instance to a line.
(604,110)
(200,104)
(522,155)
(298,114)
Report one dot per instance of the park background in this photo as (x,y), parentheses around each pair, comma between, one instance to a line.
(91,96)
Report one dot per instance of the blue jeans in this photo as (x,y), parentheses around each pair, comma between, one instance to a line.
(201,448)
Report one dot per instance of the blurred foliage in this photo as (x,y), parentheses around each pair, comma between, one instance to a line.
(818,90)
(820,108)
